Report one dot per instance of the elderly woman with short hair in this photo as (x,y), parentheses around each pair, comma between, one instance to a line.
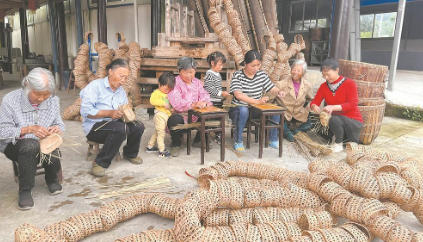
(187,94)
(27,115)
(298,95)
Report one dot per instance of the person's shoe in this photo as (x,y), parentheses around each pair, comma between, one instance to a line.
(274,144)
(97,170)
(174,151)
(154,149)
(136,160)
(198,144)
(25,201)
(337,147)
(164,154)
(239,146)
(288,136)
(54,188)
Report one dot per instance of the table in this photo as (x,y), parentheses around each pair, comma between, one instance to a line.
(265,111)
(204,115)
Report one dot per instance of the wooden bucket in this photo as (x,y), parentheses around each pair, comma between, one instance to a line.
(372,121)
(370,101)
(362,71)
(370,89)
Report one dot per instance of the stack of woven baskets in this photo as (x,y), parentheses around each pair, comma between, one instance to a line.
(371,86)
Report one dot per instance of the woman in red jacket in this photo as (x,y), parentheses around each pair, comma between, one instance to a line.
(341,99)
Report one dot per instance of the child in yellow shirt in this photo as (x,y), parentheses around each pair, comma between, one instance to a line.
(161,114)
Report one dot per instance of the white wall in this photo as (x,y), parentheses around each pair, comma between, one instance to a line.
(119,19)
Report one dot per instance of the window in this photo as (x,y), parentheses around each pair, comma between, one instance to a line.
(306,14)
(93,3)
(380,25)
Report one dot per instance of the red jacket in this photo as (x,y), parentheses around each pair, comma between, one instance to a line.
(346,96)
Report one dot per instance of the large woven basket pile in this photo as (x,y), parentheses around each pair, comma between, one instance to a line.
(370,80)
(240,201)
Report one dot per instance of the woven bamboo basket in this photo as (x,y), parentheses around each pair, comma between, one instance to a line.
(239,231)
(393,208)
(371,188)
(358,231)
(338,205)
(252,198)
(314,235)
(301,239)
(253,233)
(241,216)
(293,229)
(400,233)
(370,101)
(260,216)
(267,233)
(332,234)
(370,89)
(386,186)
(381,226)
(417,237)
(354,208)
(372,121)
(373,208)
(413,202)
(330,190)
(227,233)
(280,230)
(401,194)
(362,71)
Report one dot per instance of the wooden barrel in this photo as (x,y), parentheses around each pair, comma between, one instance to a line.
(370,89)
(362,71)
(372,121)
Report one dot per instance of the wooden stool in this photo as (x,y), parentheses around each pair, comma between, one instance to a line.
(265,111)
(40,171)
(94,149)
(204,115)
(23,72)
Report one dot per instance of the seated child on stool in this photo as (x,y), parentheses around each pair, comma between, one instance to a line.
(213,82)
(161,114)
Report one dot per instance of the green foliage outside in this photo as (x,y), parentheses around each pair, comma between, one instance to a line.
(415,114)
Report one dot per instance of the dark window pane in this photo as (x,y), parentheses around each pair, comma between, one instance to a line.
(310,15)
(296,16)
(325,13)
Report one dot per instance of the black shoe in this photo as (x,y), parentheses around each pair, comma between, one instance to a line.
(25,201)
(152,150)
(54,188)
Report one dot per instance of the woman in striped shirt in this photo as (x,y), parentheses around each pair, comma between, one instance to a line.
(248,86)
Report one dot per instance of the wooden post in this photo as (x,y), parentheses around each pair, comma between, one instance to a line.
(102,21)
(184,32)
(191,23)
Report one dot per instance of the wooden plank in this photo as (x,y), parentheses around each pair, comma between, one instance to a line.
(147,63)
(194,40)
(148,80)
(177,52)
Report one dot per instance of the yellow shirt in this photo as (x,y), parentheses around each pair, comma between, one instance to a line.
(158,99)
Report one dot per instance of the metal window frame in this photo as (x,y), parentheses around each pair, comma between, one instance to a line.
(290,14)
(373,26)
(111,4)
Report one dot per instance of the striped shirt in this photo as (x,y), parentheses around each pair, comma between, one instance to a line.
(17,112)
(253,88)
(213,85)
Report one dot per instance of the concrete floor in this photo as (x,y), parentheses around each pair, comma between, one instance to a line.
(397,135)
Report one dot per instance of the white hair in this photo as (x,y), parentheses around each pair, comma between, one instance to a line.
(300,62)
(39,79)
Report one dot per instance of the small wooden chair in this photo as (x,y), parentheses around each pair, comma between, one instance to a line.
(40,171)
(94,149)
(71,81)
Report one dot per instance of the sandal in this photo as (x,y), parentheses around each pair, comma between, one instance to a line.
(274,144)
